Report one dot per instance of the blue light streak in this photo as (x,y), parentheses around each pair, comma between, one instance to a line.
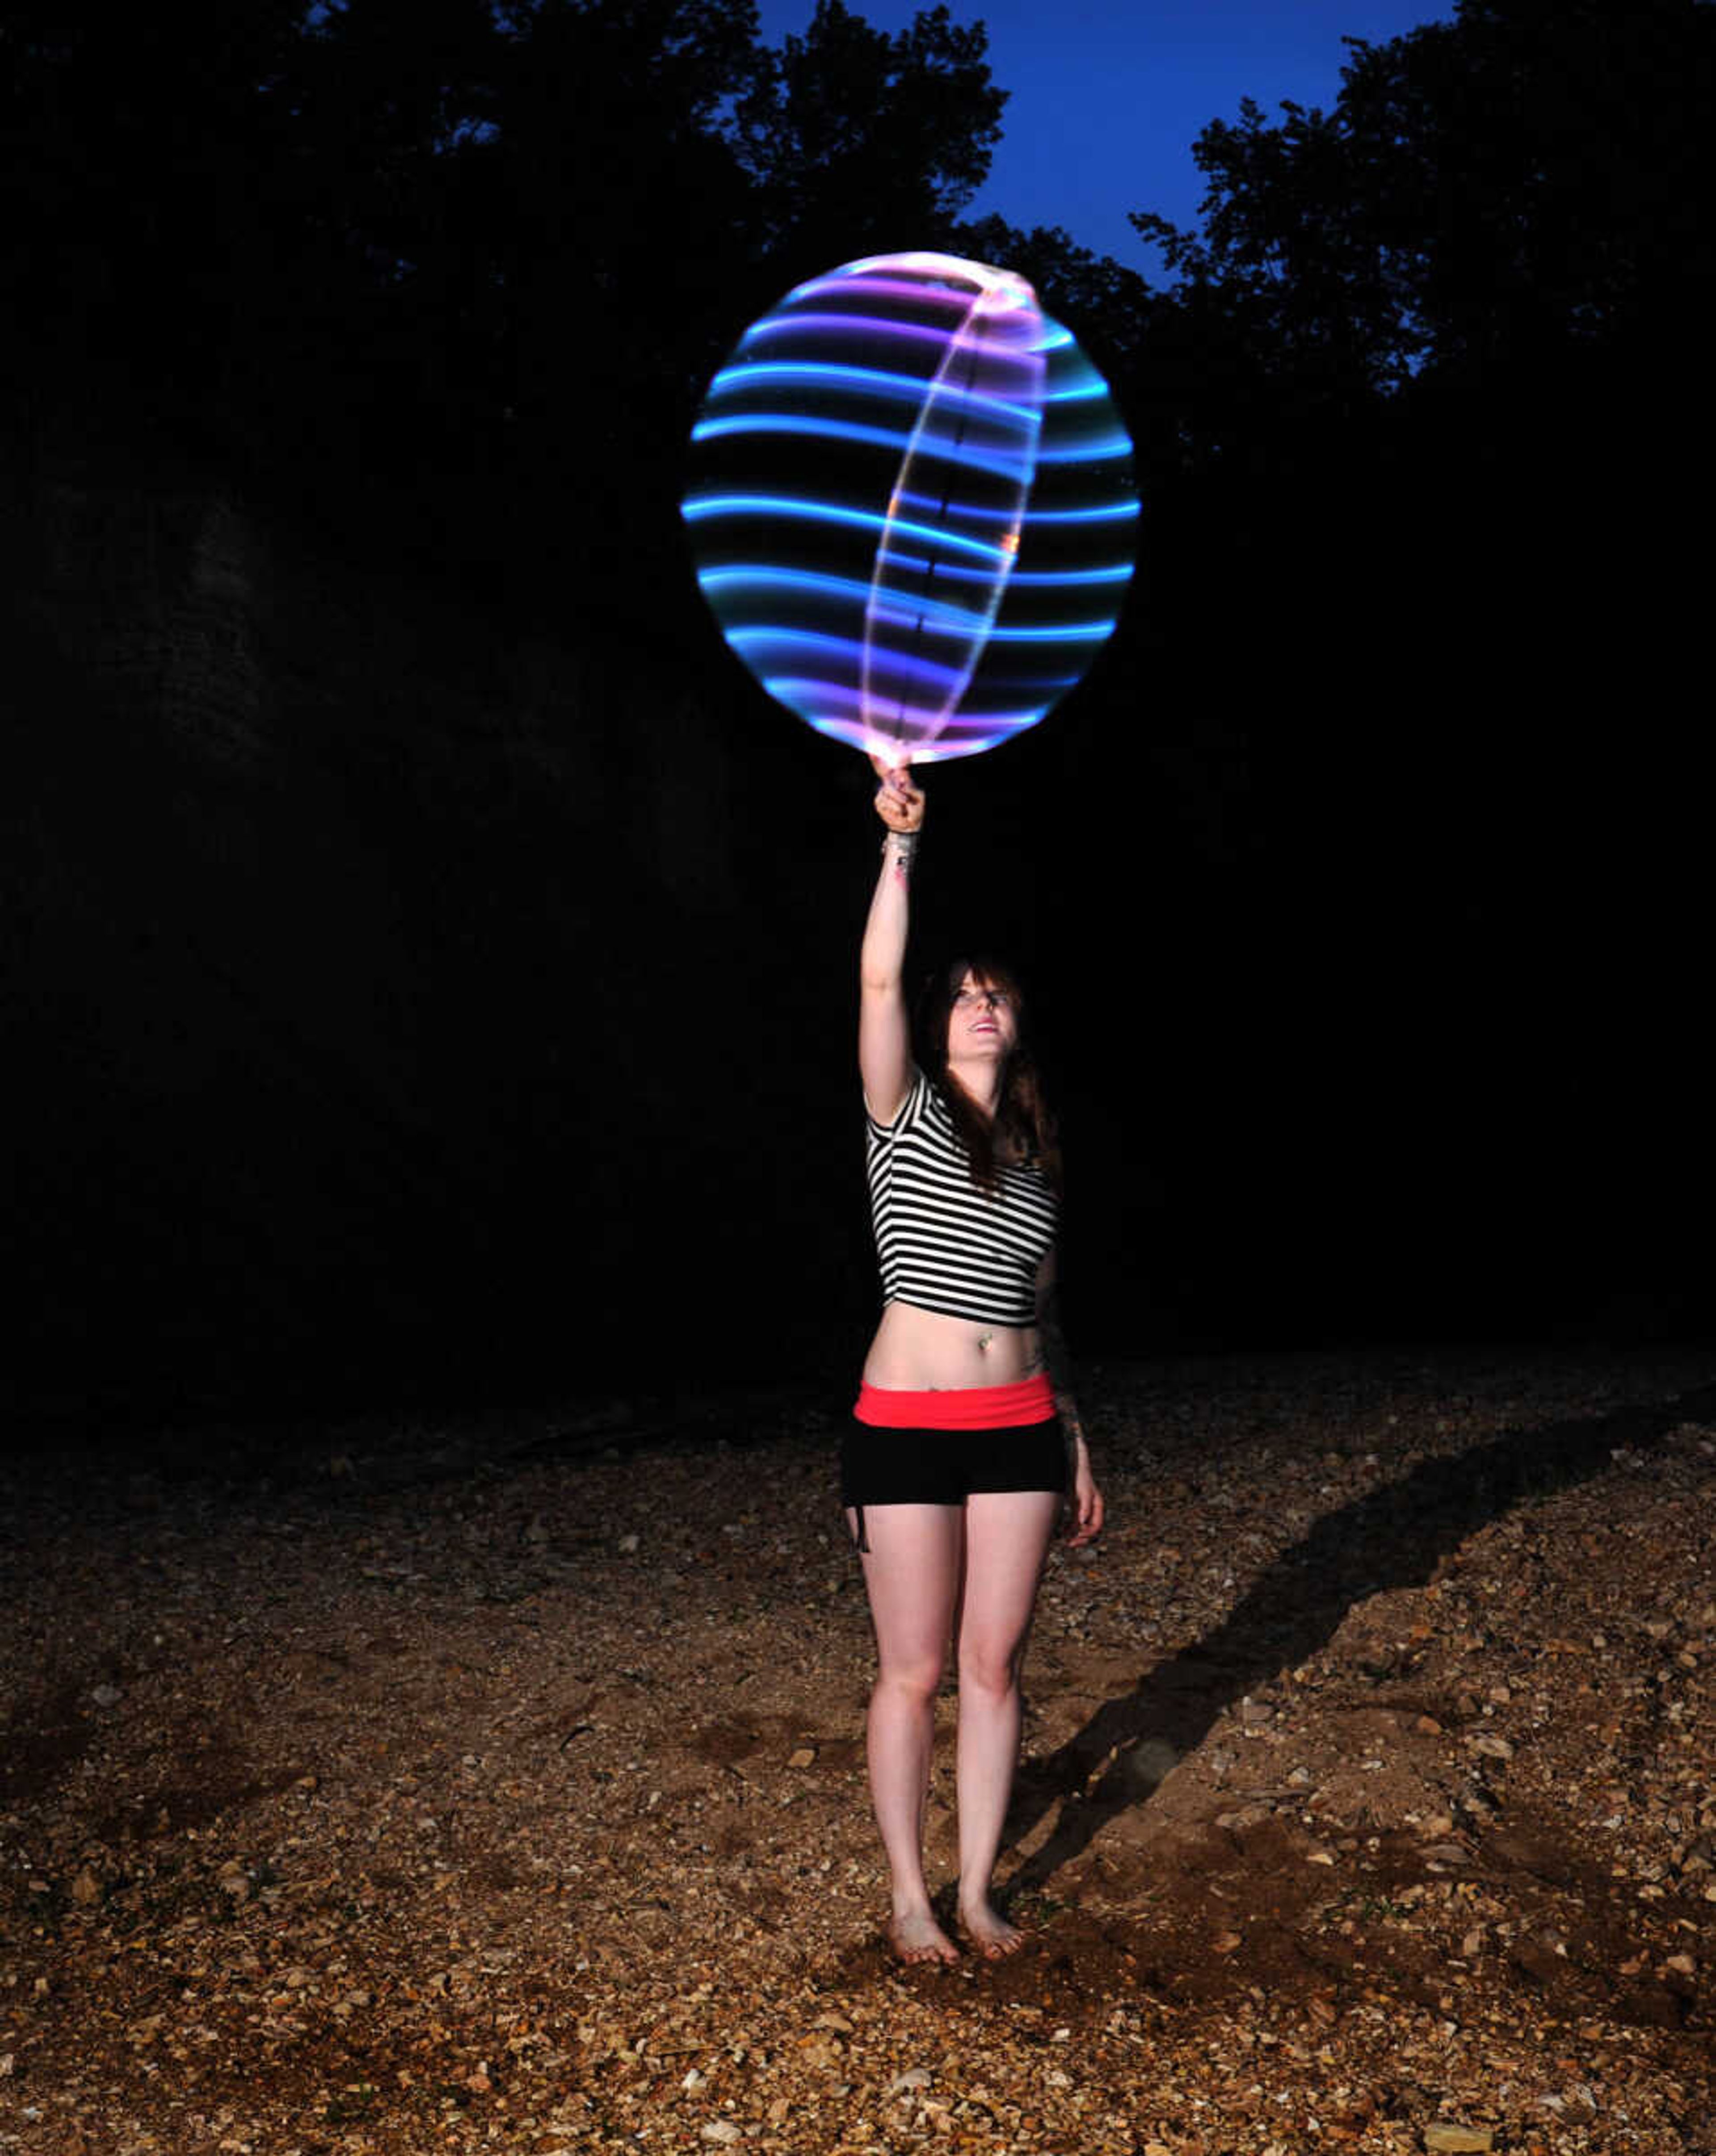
(759,576)
(939,616)
(818,429)
(846,648)
(866,381)
(791,505)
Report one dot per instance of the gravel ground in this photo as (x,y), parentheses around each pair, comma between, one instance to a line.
(389,1787)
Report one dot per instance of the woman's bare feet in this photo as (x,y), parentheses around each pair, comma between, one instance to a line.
(991,1935)
(918,1936)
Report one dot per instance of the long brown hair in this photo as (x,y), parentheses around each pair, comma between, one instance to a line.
(1022,1130)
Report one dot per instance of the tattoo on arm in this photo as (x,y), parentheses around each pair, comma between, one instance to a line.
(898,849)
(1060,1367)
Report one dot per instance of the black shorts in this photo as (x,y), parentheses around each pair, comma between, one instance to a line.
(881,1467)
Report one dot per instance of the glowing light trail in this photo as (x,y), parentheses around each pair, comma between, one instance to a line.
(927,584)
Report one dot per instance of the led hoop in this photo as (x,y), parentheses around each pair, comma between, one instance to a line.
(913,503)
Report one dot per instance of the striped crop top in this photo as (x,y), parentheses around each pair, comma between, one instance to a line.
(944,1245)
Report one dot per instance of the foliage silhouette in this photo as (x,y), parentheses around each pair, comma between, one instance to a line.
(1523,179)
(860,141)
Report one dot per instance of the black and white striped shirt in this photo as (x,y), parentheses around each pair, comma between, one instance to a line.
(944,1245)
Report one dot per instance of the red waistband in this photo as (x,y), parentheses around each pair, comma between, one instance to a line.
(968,1407)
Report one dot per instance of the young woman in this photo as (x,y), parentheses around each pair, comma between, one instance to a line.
(954,1468)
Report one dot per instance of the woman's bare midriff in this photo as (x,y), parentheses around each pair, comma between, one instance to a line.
(920,1351)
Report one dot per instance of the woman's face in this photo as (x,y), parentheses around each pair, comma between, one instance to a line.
(983,1021)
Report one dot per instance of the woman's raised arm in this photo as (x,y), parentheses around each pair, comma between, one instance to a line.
(884,1029)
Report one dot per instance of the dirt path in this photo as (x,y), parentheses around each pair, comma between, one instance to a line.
(396,1790)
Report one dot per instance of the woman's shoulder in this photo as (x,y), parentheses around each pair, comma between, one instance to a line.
(921,1099)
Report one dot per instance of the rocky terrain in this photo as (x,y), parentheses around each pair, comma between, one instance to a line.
(391,1787)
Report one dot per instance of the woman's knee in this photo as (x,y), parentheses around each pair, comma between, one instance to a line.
(989,1668)
(914,1679)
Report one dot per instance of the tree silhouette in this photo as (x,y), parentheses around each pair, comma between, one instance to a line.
(484,256)
(861,141)
(1431,429)
(1530,177)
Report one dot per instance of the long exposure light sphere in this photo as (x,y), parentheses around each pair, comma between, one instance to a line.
(913,505)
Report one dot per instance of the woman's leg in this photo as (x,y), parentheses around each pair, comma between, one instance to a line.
(911,1574)
(1006,1537)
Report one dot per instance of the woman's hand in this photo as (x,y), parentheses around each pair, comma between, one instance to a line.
(1085,1505)
(898,801)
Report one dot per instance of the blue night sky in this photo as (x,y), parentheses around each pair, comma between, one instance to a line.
(1106,98)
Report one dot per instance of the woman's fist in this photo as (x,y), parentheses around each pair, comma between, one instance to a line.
(898,801)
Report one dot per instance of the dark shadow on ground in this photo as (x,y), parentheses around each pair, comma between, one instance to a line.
(1393,1538)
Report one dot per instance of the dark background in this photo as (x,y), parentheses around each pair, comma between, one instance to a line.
(428,960)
